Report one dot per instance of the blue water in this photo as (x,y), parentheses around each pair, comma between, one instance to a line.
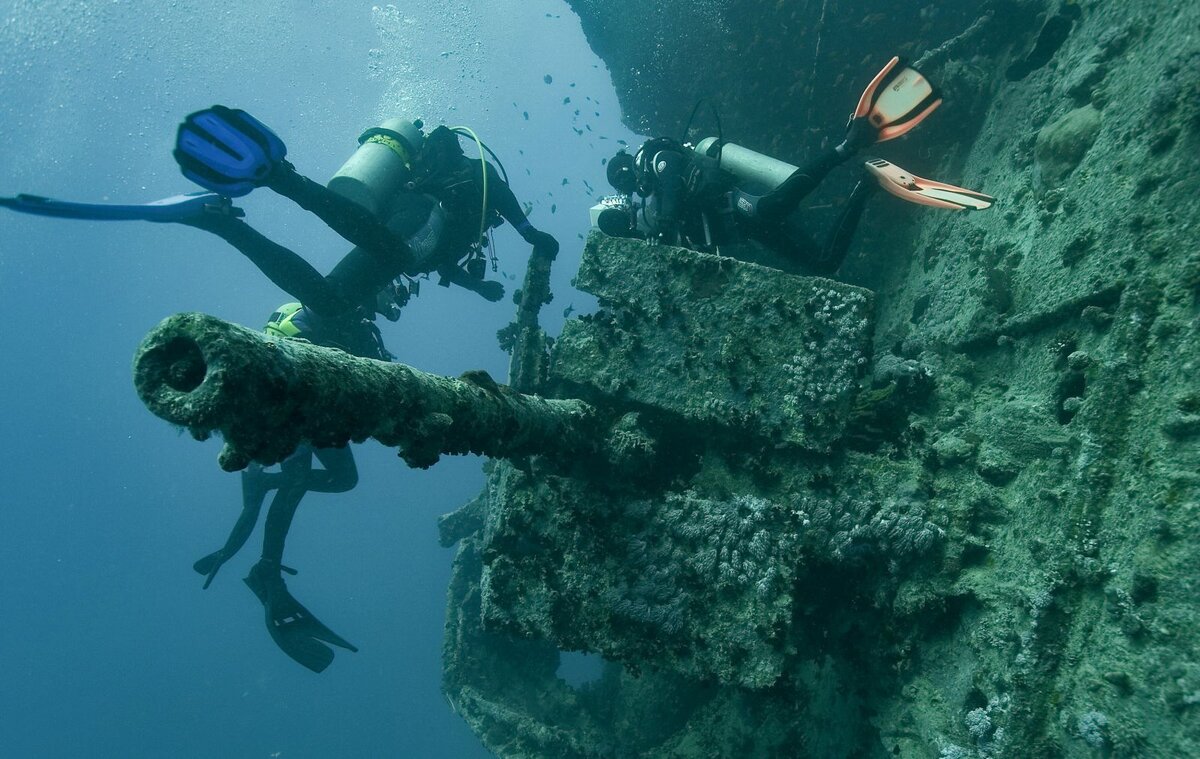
(109,647)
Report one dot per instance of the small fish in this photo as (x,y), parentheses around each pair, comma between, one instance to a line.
(603,161)
(525,114)
(570,309)
(566,100)
(572,84)
(622,142)
(588,185)
(566,182)
(578,131)
(547,79)
(588,127)
(553,207)
(519,150)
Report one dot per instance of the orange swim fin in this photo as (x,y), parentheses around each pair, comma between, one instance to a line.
(896,100)
(908,186)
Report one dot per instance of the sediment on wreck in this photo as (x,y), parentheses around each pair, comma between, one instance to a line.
(994,555)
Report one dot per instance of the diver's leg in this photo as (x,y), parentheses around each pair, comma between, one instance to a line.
(360,275)
(296,471)
(286,269)
(340,473)
(789,238)
(255,485)
(833,252)
(294,629)
(781,201)
(342,215)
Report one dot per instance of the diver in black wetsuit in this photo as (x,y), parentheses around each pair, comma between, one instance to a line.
(716,194)
(691,201)
(293,628)
(433,208)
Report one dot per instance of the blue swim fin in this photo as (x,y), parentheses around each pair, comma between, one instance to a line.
(173,209)
(227,150)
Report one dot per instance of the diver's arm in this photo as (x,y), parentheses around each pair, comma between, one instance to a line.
(502,199)
(670,195)
(342,215)
(454,274)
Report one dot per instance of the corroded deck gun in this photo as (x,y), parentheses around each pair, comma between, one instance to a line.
(265,396)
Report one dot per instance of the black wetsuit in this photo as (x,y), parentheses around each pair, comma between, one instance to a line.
(384,251)
(690,200)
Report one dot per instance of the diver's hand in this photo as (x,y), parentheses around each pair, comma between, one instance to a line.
(860,133)
(210,565)
(543,243)
(490,290)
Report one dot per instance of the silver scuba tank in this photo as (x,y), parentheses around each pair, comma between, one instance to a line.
(379,169)
(756,173)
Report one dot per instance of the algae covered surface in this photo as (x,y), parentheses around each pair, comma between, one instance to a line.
(984,542)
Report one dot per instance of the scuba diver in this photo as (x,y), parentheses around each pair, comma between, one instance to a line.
(411,203)
(296,631)
(718,193)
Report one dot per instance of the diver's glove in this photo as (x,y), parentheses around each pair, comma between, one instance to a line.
(490,290)
(543,243)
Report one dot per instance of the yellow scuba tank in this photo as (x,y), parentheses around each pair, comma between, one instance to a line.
(382,165)
(756,173)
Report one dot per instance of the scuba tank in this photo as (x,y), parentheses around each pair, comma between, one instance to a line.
(382,165)
(757,174)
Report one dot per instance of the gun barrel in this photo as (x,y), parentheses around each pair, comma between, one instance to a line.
(266,396)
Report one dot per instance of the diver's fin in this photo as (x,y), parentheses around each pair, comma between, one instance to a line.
(174,208)
(896,100)
(910,187)
(227,150)
(294,629)
(209,566)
